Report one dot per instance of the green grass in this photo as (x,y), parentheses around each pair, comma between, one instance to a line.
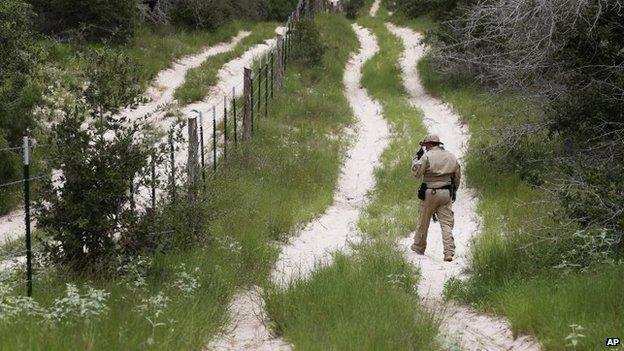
(513,258)
(199,80)
(153,48)
(268,187)
(366,300)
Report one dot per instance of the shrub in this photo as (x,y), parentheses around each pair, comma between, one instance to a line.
(308,48)
(113,79)
(566,58)
(351,7)
(439,9)
(201,14)
(20,56)
(88,208)
(278,10)
(93,20)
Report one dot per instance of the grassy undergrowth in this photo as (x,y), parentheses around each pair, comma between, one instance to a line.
(513,258)
(280,179)
(199,80)
(152,48)
(366,300)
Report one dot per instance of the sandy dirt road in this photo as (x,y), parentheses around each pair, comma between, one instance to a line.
(475,331)
(334,230)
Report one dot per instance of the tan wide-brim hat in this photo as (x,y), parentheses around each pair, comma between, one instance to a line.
(431,138)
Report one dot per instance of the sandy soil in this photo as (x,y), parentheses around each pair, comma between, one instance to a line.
(160,93)
(333,231)
(229,84)
(375,8)
(476,331)
(246,329)
(12,226)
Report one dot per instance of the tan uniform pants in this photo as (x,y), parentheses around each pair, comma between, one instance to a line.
(436,202)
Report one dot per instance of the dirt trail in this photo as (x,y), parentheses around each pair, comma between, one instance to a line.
(160,93)
(475,331)
(375,8)
(336,228)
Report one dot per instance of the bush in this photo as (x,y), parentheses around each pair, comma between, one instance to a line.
(93,20)
(308,49)
(20,56)
(278,10)
(113,78)
(566,58)
(86,213)
(439,9)
(352,7)
(201,14)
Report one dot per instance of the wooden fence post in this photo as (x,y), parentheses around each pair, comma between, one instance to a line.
(280,61)
(248,104)
(193,167)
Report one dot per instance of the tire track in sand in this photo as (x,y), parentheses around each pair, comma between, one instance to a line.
(333,231)
(476,331)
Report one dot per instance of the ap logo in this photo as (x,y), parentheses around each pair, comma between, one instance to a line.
(612,342)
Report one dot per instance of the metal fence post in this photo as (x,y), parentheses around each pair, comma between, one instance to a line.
(132,203)
(214,138)
(201,145)
(153,185)
(247,104)
(172,182)
(192,164)
(280,61)
(259,90)
(225,136)
(251,110)
(234,113)
(272,73)
(27,214)
(266,88)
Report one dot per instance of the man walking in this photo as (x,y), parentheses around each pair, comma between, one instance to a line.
(441,175)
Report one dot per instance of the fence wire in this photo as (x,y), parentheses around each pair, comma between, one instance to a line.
(265,71)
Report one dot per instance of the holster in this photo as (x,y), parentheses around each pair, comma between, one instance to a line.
(422,192)
(453,190)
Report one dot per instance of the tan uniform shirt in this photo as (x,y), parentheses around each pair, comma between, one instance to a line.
(437,166)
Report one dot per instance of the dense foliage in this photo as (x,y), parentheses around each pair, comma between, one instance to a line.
(439,9)
(566,57)
(38,36)
(91,20)
(308,48)
(351,7)
(19,59)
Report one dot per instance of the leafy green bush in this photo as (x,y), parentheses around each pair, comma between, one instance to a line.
(308,48)
(95,20)
(351,7)
(571,68)
(20,56)
(201,14)
(277,10)
(90,208)
(439,9)
(113,79)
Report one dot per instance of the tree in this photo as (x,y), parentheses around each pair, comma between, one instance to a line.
(20,56)
(95,20)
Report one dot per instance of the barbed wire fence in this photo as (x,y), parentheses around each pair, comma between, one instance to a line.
(234,120)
